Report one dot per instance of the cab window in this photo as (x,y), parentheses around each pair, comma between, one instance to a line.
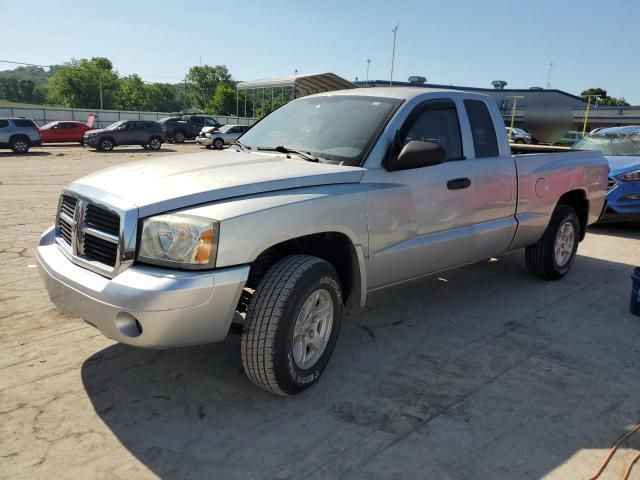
(436,121)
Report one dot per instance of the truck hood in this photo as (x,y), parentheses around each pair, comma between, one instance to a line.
(622,163)
(161,184)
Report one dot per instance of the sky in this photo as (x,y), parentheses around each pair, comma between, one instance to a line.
(459,42)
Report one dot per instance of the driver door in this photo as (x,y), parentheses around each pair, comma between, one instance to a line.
(422,221)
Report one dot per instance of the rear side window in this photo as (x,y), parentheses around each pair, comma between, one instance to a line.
(439,124)
(4,123)
(485,142)
(25,123)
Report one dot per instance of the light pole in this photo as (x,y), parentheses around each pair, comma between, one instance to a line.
(366,83)
(100,85)
(549,75)
(393,52)
(586,115)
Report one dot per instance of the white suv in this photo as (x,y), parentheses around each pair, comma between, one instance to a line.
(219,137)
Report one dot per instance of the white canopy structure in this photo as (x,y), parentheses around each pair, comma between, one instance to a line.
(294,86)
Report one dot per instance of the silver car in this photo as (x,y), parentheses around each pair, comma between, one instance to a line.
(212,137)
(19,134)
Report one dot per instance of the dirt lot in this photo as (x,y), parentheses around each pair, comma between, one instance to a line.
(484,373)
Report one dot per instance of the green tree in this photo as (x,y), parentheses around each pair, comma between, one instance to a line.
(132,93)
(223,101)
(163,97)
(603,98)
(25,90)
(77,84)
(203,82)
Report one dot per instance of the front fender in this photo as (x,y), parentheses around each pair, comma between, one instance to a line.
(250,225)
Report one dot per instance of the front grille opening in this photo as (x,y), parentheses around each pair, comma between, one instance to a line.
(100,250)
(65,231)
(68,205)
(101,219)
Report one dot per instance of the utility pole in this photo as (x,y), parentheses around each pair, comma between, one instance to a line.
(513,113)
(393,52)
(549,75)
(366,83)
(100,86)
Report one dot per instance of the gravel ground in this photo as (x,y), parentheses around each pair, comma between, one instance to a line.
(484,372)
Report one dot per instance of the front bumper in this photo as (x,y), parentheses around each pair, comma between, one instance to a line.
(144,306)
(90,141)
(204,140)
(621,208)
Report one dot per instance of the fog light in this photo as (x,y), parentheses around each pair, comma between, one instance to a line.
(635,196)
(128,325)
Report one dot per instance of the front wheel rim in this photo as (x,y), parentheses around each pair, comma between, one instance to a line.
(564,244)
(312,330)
(218,144)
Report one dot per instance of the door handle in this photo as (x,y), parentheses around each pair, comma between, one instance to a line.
(458,183)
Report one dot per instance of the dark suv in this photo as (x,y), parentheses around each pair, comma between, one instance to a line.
(146,133)
(186,127)
(19,134)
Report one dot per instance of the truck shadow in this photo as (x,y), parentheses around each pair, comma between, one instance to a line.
(623,229)
(484,372)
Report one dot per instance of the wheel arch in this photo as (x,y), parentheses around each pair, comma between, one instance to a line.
(577,199)
(333,247)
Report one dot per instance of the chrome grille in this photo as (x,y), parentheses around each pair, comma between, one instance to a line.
(102,219)
(89,233)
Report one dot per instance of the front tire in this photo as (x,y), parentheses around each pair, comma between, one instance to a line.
(218,144)
(106,145)
(293,321)
(551,257)
(20,144)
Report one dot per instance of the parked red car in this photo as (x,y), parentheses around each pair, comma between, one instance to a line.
(63,131)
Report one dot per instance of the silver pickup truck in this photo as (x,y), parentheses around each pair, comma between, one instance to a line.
(324,201)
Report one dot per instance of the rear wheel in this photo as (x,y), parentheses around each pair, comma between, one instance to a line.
(293,321)
(20,144)
(178,137)
(155,143)
(552,256)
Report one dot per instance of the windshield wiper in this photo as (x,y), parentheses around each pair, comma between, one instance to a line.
(282,149)
(241,145)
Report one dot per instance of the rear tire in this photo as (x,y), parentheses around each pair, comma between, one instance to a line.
(20,144)
(551,257)
(178,137)
(155,143)
(293,321)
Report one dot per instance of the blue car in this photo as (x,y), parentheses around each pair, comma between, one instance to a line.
(621,147)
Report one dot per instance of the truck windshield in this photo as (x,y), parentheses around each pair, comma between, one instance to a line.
(613,145)
(336,127)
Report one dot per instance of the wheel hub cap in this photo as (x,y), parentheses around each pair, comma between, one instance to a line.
(313,328)
(565,241)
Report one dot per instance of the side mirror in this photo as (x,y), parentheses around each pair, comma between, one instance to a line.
(417,154)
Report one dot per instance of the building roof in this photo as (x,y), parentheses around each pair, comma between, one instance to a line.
(304,84)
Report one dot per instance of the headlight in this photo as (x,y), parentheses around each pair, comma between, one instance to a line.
(180,241)
(630,176)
